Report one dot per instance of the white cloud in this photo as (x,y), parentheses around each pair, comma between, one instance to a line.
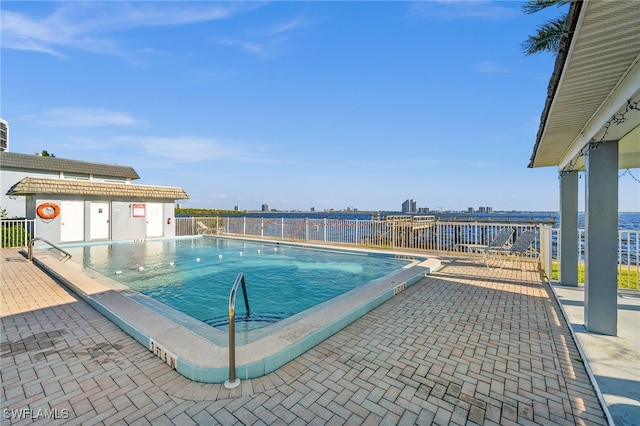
(288,26)
(192,149)
(461,9)
(86,117)
(83,25)
(250,47)
(269,39)
(488,67)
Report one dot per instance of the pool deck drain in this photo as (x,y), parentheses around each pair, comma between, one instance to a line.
(465,344)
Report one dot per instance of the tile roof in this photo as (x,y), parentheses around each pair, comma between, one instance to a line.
(30,185)
(15,160)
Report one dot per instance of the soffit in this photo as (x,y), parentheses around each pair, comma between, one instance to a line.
(600,75)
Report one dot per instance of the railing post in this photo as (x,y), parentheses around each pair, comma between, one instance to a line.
(356,231)
(30,251)
(26,232)
(262,227)
(233,380)
(324,228)
(282,227)
(546,248)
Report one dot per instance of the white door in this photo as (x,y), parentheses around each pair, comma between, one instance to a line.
(154,220)
(99,222)
(71,221)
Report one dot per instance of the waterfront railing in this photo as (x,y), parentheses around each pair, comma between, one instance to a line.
(433,235)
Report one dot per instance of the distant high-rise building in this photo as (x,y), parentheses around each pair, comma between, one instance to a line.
(265,207)
(236,208)
(313,209)
(409,206)
(470,210)
(4,135)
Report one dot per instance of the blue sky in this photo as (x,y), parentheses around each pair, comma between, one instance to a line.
(294,104)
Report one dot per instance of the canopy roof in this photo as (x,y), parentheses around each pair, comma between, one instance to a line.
(594,92)
(31,185)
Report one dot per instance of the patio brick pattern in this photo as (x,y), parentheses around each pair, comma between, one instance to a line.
(465,345)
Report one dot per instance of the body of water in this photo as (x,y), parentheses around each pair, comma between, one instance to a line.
(194,276)
(626,221)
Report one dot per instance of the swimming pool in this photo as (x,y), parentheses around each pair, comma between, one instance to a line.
(195,275)
(201,352)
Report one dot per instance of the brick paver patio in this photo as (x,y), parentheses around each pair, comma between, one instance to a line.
(466,345)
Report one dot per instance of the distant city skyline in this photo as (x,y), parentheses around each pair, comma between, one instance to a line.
(291,104)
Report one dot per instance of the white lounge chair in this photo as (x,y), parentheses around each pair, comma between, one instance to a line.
(520,249)
(204,229)
(501,240)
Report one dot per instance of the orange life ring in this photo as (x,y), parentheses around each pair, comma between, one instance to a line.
(48,210)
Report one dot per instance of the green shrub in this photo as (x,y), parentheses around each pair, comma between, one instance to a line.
(14,236)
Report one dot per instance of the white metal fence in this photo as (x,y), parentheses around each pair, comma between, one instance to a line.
(435,236)
(17,232)
(446,237)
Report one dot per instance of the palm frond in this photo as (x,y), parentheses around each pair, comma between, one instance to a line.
(533,6)
(547,38)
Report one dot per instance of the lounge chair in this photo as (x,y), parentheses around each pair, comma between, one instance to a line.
(204,229)
(520,249)
(501,240)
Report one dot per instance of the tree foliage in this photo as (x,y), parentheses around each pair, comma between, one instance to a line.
(207,212)
(548,35)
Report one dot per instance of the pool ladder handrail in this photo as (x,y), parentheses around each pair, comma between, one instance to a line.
(66,256)
(233,381)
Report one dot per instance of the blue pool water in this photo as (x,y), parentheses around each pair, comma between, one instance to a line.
(195,276)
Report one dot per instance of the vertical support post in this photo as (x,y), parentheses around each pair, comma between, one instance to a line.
(546,249)
(601,228)
(357,231)
(568,241)
(282,227)
(262,226)
(244,226)
(324,227)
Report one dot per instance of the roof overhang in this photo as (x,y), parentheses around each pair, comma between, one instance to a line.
(594,92)
(53,187)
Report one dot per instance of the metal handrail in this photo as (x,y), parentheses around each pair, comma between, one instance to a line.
(67,255)
(233,381)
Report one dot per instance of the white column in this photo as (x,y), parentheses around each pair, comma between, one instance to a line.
(568,238)
(601,248)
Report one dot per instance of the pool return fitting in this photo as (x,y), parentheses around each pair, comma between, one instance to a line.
(233,380)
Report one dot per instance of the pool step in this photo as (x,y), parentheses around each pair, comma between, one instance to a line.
(259,318)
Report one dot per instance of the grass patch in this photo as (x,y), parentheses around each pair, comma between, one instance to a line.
(627,278)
